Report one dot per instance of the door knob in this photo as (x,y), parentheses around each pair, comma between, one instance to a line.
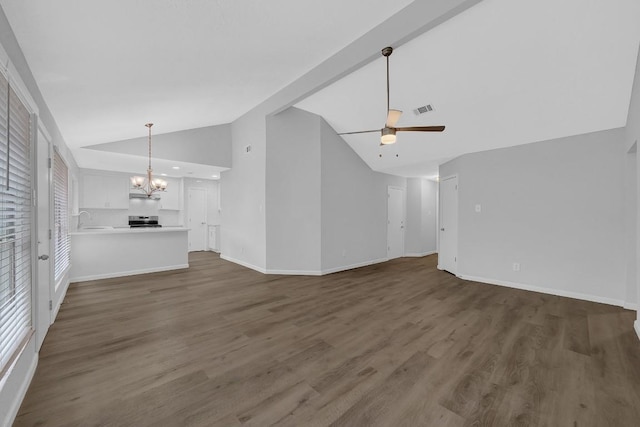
(43,257)
(442,229)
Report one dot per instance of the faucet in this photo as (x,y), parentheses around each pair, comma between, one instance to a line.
(80,214)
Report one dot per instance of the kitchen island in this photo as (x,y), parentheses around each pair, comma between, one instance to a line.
(114,252)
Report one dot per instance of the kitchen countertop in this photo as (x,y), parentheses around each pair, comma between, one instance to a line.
(126,230)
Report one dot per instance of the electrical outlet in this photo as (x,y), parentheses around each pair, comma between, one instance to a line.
(478,208)
(516,266)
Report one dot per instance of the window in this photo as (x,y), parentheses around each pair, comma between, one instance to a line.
(61,250)
(15,224)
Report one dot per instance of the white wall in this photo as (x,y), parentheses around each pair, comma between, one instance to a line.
(429,216)
(420,235)
(326,210)
(353,204)
(631,138)
(243,235)
(556,207)
(293,192)
(630,225)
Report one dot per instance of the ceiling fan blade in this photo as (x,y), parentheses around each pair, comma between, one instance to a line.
(361,131)
(421,129)
(392,117)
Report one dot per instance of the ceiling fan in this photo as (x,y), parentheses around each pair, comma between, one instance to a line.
(388,132)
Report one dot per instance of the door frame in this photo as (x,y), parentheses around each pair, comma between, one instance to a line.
(403,215)
(457,222)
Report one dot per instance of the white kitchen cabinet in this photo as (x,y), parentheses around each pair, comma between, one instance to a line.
(104,192)
(170,198)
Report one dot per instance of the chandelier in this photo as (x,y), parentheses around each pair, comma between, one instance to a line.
(148,184)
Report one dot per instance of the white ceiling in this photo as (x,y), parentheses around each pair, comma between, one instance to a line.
(502,73)
(107,67)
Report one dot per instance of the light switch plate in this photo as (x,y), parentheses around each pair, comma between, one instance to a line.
(478,208)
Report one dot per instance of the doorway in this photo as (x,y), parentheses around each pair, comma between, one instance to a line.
(395,222)
(448,231)
(197,219)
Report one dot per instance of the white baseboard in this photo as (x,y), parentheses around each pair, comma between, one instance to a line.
(352,266)
(243,263)
(557,292)
(295,272)
(421,254)
(58,304)
(327,271)
(303,272)
(9,416)
(636,326)
(128,273)
(631,306)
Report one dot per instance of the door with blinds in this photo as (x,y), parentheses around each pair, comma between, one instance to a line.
(15,225)
(43,196)
(60,232)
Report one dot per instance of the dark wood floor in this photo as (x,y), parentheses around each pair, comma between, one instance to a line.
(395,344)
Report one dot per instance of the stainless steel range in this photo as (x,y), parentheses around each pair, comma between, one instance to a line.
(143,222)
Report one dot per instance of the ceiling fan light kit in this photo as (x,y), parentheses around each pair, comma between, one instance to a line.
(388,132)
(388,136)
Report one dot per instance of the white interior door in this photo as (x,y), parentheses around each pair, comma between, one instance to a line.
(395,223)
(44,252)
(197,218)
(448,231)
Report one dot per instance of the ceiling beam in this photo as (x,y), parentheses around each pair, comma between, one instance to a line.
(412,21)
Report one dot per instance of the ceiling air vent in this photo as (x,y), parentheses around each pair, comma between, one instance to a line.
(424,109)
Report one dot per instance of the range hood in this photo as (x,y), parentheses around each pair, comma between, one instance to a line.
(137,195)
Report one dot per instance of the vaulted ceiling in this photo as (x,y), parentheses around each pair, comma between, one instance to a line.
(501,73)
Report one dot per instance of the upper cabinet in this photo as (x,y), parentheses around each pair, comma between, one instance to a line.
(104,192)
(170,198)
(110,191)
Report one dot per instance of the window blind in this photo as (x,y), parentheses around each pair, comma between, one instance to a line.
(61,250)
(15,223)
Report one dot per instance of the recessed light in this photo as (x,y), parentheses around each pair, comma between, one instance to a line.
(214,176)
(176,167)
(163,174)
